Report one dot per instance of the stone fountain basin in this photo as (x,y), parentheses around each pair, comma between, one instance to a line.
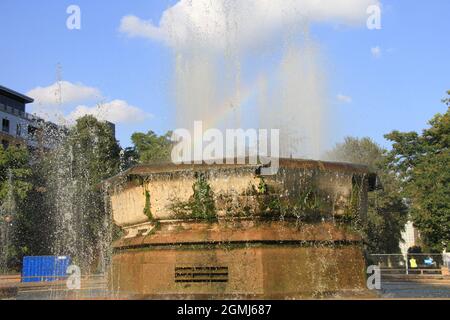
(150,193)
(290,235)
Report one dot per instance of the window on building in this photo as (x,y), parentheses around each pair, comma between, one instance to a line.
(5,125)
(19,130)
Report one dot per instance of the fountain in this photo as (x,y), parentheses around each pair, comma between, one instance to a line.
(226,231)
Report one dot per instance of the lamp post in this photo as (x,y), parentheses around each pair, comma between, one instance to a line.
(407,263)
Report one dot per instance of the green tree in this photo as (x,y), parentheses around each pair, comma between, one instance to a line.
(359,151)
(387,212)
(129,158)
(96,152)
(422,161)
(35,225)
(15,172)
(152,148)
(15,168)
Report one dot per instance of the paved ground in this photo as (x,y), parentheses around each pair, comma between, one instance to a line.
(400,288)
(433,289)
(12,288)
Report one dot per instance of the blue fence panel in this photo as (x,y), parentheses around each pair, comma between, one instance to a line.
(45,269)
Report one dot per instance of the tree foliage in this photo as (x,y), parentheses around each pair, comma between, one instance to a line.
(14,168)
(359,151)
(422,161)
(387,212)
(152,148)
(15,185)
(96,152)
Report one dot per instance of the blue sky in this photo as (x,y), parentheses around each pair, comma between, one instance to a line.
(400,88)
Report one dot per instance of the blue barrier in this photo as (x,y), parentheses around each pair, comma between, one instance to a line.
(45,269)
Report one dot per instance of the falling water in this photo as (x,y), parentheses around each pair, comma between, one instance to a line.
(81,226)
(273,85)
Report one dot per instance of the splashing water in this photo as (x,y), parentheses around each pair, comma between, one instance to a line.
(226,86)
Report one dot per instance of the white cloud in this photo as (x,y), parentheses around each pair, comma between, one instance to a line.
(70,93)
(116,111)
(219,23)
(344,98)
(135,28)
(376,52)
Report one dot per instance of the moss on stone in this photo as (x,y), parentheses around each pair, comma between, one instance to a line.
(201,205)
(148,206)
(306,205)
(351,215)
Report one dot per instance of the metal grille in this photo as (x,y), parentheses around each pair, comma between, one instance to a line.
(201,274)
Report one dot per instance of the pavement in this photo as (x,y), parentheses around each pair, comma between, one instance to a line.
(415,287)
(400,287)
(11,287)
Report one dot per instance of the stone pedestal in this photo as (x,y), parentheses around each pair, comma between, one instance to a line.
(245,259)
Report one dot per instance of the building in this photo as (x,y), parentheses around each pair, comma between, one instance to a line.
(19,127)
(410,238)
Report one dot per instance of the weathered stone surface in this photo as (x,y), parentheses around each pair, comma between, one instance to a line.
(327,187)
(241,231)
(264,271)
(290,235)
